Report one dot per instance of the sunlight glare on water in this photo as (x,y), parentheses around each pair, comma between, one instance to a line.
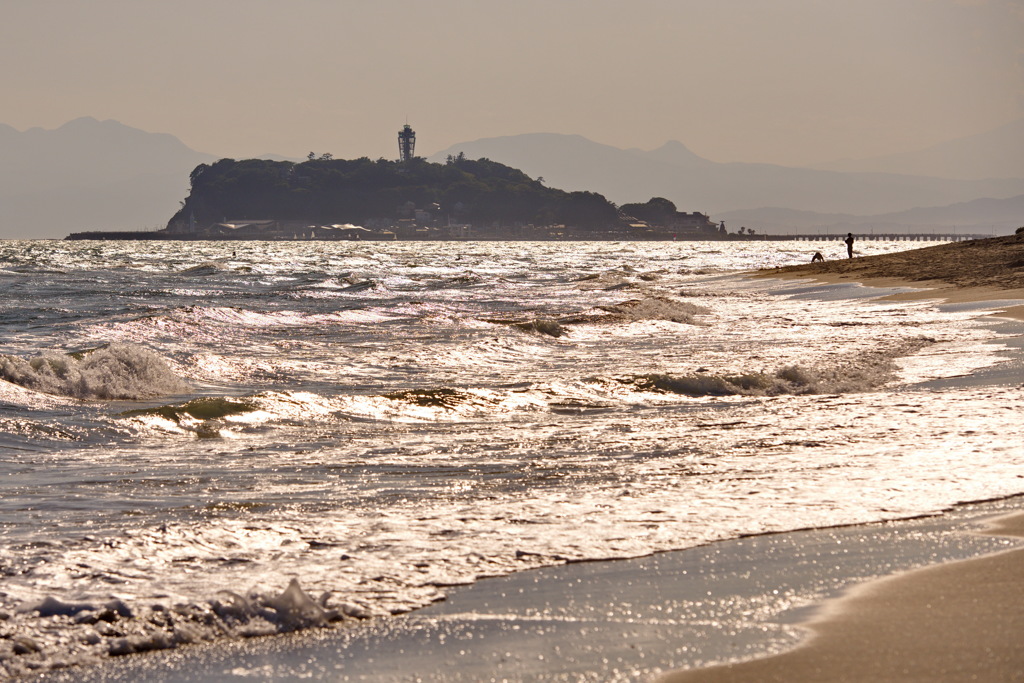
(383,420)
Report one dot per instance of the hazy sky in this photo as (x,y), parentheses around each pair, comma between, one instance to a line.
(781,81)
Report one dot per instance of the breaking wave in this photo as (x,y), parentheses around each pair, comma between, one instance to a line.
(541,326)
(113,372)
(215,417)
(212,417)
(656,308)
(209,408)
(360,286)
(208,268)
(634,310)
(864,373)
(443,397)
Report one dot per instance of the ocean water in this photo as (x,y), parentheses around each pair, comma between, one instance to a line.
(202,441)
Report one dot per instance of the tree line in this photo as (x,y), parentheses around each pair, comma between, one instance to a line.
(324,190)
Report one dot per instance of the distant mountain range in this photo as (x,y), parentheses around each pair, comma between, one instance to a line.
(977,217)
(90,175)
(103,175)
(996,154)
(672,171)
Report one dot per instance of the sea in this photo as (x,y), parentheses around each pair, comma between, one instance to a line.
(204,441)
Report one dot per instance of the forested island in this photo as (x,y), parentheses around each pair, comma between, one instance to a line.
(327,198)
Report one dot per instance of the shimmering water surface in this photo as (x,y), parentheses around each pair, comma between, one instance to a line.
(186,428)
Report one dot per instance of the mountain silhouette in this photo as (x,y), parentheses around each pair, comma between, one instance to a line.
(997,153)
(90,175)
(104,175)
(984,216)
(572,162)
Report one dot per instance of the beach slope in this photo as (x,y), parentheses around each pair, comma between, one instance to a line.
(952,622)
(975,270)
(996,262)
(958,621)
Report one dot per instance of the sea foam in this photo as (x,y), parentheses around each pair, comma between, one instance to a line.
(865,372)
(113,372)
(114,628)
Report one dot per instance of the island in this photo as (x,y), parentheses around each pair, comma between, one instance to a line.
(324,198)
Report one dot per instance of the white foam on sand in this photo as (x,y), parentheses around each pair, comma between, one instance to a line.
(628,620)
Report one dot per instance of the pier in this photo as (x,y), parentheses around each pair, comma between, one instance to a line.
(867,237)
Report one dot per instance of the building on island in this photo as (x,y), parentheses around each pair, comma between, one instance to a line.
(324,198)
(406,143)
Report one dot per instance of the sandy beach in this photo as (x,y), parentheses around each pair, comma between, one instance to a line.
(977,270)
(959,621)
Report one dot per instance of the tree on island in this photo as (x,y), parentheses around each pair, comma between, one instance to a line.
(660,213)
(323,190)
(656,211)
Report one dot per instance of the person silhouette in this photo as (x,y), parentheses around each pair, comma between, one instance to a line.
(849,244)
(817,257)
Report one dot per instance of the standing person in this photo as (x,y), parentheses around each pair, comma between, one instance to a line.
(849,244)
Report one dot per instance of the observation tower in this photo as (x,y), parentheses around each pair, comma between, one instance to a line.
(406,143)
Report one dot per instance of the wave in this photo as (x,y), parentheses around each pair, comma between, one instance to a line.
(216,417)
(541,326)
(634,310)
(464,280)
(209,408)
(623,285)
(656,308)
(113,372)
(360,286)
(789,380)
(443,397)
(232,417)
(199,321)
(442,404)
(208,268)
(225,416)
(864,373)
(606,280)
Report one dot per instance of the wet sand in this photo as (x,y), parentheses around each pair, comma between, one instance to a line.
(960,621)
(618,621)
(977,270)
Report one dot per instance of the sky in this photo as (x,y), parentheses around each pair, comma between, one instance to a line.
(792,82)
